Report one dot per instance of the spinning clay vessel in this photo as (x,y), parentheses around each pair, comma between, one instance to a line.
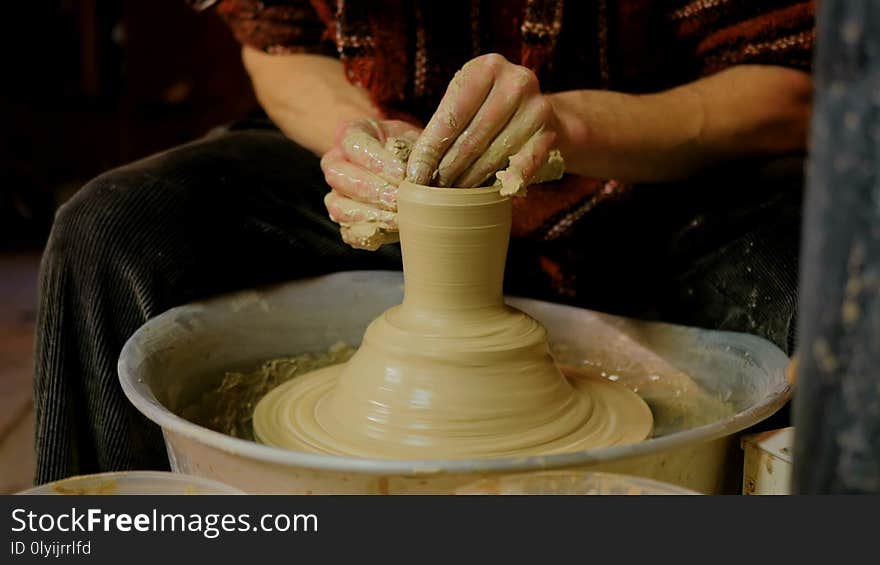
(452,371)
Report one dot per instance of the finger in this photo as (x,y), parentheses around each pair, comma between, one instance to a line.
(363,144)
(335,154)
(344,210)
(367,236)
(356,182)
(515,84)
(527,120)
(526,162)
(464,96)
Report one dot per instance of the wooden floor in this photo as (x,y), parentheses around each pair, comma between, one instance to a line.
(18,305)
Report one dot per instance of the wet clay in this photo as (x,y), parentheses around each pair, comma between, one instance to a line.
(452,372)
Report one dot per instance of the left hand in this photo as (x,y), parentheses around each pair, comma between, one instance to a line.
(492,118)
(363,169)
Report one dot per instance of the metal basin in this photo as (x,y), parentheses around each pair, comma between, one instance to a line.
(703,387)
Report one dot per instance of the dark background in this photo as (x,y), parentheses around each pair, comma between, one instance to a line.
(92,84)
(88,85)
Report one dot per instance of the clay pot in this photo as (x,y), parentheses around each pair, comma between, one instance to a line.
(452,371)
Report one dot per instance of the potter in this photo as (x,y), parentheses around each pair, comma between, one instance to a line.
(452,372)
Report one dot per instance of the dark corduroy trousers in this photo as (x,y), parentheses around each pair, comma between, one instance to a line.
(245,208)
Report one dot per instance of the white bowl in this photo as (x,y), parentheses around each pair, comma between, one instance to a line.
(685,375)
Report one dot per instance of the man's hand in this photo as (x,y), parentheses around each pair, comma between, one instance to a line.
(363,168)
(492,118)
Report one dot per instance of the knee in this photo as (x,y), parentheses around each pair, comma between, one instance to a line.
(94,227)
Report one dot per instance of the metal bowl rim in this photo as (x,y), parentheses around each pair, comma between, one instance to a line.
(140,395)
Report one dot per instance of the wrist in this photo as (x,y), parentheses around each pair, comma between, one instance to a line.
(572,130)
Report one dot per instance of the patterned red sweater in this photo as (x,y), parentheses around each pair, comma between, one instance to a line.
(405,52)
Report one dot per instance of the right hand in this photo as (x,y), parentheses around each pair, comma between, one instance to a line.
(363,169)
(492,123)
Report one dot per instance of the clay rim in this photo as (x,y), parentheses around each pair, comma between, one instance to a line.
(140,395)
(451,197)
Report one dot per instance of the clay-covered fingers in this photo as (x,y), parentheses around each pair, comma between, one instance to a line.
(367,236)
(344,210)
(463,99)
(514,86)
(363,170)
(356,182)
(362,226)
(530,118)
(363,144)
(526,162)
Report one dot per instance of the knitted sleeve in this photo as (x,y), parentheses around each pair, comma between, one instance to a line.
(280,26)
(717,34)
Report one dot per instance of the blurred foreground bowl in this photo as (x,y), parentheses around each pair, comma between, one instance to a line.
(562,482)
(134,482)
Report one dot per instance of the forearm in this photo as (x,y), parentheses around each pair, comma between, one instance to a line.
(747,111)
(307,96)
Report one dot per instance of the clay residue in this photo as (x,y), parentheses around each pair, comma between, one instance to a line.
(228,407)
(102,487)
(513,184)
(400,147)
